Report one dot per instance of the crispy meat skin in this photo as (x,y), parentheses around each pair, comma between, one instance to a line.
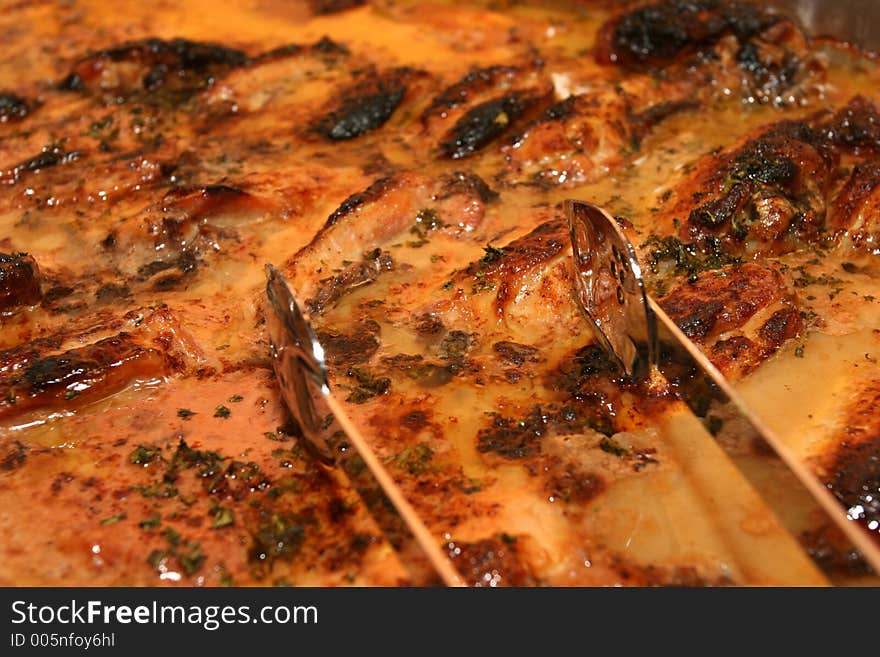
(662,31)
(775,192)
(715,304)
(365,106)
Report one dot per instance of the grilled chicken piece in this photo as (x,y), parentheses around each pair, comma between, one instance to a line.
(759,52)
(771,193)
(473,112)
(406,203)
(19,281)
(175,68)
(739,314)
(855,216)
(43,375)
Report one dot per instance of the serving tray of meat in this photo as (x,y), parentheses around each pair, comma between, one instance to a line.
(288,293)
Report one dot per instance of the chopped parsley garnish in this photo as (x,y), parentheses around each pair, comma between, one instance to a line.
(222,517)
(143,455)
(222,411)
(185,413)
(112,520)
(152,522)
(611,446)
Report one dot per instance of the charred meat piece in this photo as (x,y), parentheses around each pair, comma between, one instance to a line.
(19,281)
(771,194)
(474,111)
(772,191)
(501,270)
(365,106)
(741,313)
(390,206)
(13,107)
(660,32)
(580,138)
(855,215)
(79,375)
(176,66)
(855,127)
(482,124)
(469,90)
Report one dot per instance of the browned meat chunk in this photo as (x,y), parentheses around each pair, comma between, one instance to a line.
(19,281)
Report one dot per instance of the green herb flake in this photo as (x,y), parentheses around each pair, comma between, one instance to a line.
(185,413)
(191,561)
(112,520)
(235,399)
(222,517)
(799,351)
(172,536)
(151,523)
(71,394)
(142,455)
(157,558)
(611,446)
(416,460)
(222,411)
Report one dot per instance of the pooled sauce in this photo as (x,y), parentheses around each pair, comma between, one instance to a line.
(404,162)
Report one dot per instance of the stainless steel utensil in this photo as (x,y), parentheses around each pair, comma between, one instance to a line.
(328,433)
(640,336)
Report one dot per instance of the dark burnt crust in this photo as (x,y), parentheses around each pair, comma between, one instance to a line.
(327,7)
(50,156)
(19,281)
(371,194)
(492,561)
(462,92)
(14,107)
(484,123)
(661,32)
(325,47)
(352,347)
(176,65)
(365,106)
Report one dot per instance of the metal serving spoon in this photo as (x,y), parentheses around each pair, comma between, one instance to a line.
(298,361)
(639,335)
